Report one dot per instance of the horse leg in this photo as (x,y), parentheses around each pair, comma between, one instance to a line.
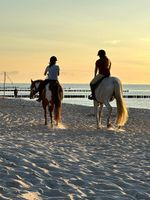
(109,108)
(45,115)
(98,112)
(57,112)
(51,116)
(57,119)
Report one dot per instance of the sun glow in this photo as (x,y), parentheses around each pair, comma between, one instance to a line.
(28,39)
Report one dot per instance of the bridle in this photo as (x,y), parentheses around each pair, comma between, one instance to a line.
(34,89)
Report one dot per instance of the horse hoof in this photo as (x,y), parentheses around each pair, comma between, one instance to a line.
(109,126)
(56,123)
(99,127)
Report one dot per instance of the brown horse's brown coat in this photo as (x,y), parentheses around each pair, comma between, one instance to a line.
(54,103)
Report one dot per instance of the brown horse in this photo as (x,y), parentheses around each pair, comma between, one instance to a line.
(52,96)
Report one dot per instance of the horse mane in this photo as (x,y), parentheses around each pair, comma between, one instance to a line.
(38,80)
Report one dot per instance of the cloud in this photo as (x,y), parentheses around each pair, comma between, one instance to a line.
(135,63)
(112,42)
(145,39)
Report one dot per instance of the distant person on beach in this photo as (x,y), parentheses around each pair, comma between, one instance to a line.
(15,92)
(52,71)
(102,69)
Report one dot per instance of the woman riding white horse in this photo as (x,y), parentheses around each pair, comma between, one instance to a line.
(102,69)
(109,89)
(104,89)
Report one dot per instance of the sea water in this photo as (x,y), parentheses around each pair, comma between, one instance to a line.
(84,90)
(129,89)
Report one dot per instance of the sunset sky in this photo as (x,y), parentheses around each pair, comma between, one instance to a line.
(74,30)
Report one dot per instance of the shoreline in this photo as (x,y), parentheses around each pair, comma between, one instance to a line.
(75,160)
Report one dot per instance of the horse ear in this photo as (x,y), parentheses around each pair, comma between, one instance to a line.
(31,80)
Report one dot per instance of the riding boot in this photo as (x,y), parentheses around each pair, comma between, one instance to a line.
(92,96)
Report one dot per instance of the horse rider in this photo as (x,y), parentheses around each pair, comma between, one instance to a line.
(52,71)
(102,70)
(15,92)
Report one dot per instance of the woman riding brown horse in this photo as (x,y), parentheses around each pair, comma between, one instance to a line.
(52,95)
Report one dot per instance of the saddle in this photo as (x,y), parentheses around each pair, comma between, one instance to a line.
(56,88)
(53,86)
(98,82)
(93,87)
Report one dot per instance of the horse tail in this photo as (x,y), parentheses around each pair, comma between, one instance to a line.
(57,103)
(122,112)
(57,111)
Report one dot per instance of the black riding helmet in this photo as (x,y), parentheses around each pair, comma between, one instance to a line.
(101,53)
(53,59)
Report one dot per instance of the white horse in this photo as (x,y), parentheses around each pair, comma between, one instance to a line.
(109,89)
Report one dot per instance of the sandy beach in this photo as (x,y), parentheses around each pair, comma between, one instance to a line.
(75,160)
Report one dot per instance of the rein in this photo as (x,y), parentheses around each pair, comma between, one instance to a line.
(35,89)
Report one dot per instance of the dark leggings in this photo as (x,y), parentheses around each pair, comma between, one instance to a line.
(95,85)
(46,81)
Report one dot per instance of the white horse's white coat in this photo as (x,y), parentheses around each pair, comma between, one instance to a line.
(106,91)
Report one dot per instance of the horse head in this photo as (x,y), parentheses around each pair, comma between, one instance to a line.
(34,87)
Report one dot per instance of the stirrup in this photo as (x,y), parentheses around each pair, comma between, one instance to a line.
(90,97)
(38,100)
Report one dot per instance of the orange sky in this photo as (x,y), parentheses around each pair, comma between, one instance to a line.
(74,31)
